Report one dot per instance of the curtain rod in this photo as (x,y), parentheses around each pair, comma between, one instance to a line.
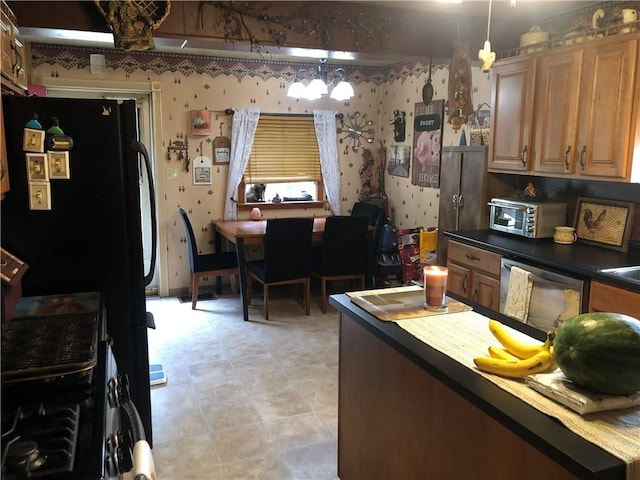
(229,111)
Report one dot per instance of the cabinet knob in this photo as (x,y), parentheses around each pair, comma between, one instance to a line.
(460,202)
(465,281)
(454,200)
(566,157)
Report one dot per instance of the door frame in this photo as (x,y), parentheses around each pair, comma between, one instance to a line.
(114,89)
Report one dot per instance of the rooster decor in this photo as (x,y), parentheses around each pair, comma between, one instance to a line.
(593,224)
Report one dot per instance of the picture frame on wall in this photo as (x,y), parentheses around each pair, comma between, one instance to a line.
(399,160)
(427,144)
(200,122)
(604,223)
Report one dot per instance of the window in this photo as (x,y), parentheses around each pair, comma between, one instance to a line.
(284,163)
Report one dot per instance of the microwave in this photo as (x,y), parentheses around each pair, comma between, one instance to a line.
(527,219)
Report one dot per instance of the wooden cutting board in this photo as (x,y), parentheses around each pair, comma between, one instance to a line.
(394,304)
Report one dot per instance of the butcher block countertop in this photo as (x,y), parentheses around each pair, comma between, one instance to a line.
(548,435)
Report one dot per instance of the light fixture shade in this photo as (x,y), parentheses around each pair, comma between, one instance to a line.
(317,88)
(342,91)
(296,90)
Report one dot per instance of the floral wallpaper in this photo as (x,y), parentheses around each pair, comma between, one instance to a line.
(190,82)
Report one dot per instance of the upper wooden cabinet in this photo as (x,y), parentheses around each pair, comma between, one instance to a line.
(13,55)
(568,111)
(512,106)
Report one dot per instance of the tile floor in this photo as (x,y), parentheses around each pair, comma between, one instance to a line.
(244,400)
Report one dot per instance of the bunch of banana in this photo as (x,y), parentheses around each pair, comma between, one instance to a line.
(517,358)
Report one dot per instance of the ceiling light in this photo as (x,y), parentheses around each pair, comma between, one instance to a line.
(320,82)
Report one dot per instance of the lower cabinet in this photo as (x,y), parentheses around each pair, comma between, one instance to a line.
(474,273)
(607,298)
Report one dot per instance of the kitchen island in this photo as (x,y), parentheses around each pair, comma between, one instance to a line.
(408,411)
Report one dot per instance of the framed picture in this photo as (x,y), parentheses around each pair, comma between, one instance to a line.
(40,196)
(427,144)
(604,223)
(37,167)
(399,160)
(200,122)
(59,165)
(33,140)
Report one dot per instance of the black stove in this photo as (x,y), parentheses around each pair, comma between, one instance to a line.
(65,423)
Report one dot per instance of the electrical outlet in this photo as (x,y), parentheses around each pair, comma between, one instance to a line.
(39,196)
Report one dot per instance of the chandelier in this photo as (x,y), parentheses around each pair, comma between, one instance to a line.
(320,81)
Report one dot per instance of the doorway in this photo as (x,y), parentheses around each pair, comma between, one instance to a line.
(145,132)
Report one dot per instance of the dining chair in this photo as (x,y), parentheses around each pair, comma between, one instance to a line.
(287,258)
(343,253)
(208,264)
(375,216)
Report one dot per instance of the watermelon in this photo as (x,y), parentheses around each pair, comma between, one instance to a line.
(600,352)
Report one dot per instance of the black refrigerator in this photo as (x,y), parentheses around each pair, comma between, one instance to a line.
(91,237)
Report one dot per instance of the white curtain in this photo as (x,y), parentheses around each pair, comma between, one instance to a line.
(325,123)
(245,121)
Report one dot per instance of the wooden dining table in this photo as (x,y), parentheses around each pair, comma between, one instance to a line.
(244,233)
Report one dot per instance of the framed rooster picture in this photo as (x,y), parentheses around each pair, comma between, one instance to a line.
(604,223)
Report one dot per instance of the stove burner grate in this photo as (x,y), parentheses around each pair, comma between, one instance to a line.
(40,443)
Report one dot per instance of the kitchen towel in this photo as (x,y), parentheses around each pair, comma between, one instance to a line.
(518,294)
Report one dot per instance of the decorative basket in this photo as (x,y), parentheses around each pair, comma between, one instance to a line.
(133,21)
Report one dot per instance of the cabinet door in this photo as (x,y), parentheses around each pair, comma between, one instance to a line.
(606,131)
(512,104)
(6,60)
(4,168)
(607,298)
(485,290)
(459,279)
(473,212)
(556,107)
(449,189)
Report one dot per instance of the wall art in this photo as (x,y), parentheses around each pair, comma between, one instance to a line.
(399,160)
(604,223)
(200,122)
(427,144)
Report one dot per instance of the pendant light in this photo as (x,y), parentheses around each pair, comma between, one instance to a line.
(486,55)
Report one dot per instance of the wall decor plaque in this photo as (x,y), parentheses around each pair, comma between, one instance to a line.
(604,223)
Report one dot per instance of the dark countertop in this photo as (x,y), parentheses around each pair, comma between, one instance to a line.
(578,259)
(579,456)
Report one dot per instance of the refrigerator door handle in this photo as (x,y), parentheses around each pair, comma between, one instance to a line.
(140,148)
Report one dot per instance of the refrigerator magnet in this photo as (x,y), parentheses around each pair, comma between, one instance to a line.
(59,165)
(33,140)
(39,196)
(37,167)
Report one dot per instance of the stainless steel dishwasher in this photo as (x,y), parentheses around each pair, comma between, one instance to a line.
(554,296)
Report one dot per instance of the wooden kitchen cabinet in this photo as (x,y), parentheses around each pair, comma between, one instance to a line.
(474,273)
(13,55)
(512,114)
(556,106)
(4,167)
(609,95)
(569,111)
(607,298)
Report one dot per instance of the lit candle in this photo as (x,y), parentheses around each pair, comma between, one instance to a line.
(435,286)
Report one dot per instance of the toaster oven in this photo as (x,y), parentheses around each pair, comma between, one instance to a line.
(527,219)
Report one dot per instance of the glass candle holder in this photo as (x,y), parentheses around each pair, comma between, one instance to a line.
(435,287)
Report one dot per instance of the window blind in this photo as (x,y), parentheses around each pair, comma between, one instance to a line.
(285,149)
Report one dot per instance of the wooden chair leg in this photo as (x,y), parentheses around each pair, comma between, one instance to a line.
(195,285)
(266,301)
(307,288)
(323,293)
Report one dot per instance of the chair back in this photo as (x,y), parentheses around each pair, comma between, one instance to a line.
(287,248)
(191,239)
(369,210)
(344,246)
